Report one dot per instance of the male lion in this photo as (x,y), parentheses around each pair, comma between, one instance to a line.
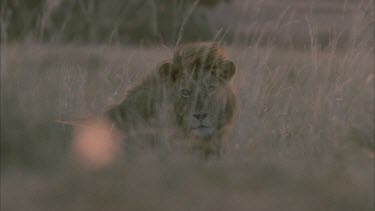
(191,93)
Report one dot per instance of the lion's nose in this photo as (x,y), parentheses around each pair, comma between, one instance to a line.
(200,116)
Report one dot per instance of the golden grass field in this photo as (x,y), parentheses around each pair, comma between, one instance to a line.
(302,139)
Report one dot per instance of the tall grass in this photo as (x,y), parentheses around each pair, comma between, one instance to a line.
(303,137)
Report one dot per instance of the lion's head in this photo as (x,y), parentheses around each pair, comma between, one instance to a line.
(198,79)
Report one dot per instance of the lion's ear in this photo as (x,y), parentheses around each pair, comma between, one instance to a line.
(227,70)
(168,71)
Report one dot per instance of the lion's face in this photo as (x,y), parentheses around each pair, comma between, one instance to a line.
(203,101)
(203,105)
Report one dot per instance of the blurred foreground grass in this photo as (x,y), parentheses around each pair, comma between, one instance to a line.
(183,183)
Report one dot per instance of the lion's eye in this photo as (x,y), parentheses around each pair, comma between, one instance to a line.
(185,92)
(211,89)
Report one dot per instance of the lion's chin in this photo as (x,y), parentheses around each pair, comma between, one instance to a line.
(203,132)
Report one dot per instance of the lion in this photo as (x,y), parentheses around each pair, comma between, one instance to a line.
(186,101)
(190,93)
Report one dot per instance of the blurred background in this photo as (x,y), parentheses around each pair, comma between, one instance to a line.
(150,22)
(303,138)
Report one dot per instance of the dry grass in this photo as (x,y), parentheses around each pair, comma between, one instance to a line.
(305,119)
(303,138)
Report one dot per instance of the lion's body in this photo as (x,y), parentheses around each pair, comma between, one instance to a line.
(189,96)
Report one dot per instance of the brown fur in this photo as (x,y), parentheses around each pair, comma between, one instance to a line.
(189,95)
